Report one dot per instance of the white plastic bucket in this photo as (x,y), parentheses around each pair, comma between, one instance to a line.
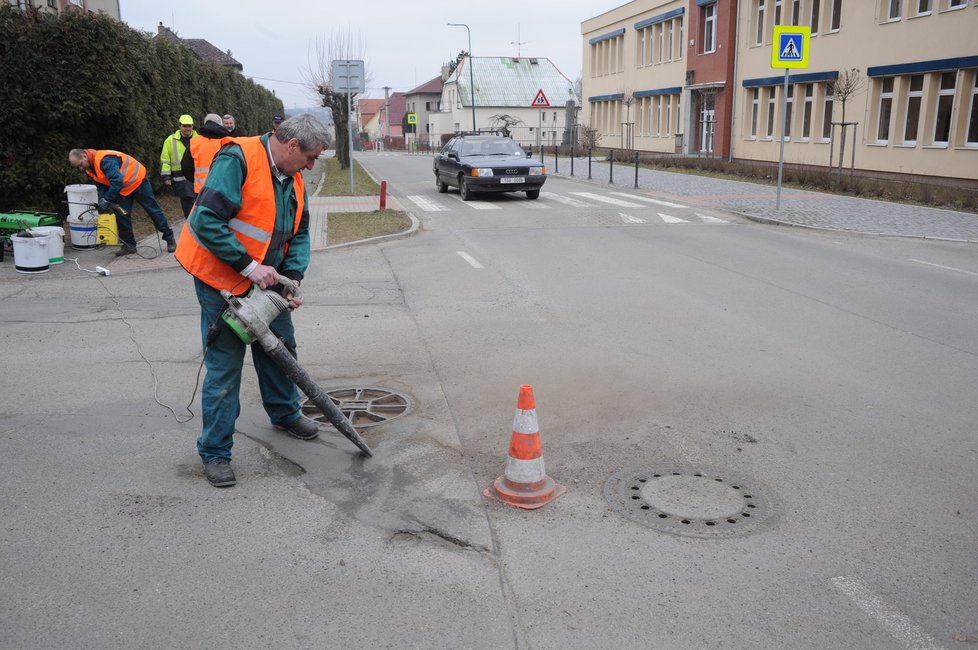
(31,253)
(83,215)
(56,242)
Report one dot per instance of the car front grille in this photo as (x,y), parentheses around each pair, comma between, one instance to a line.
(510,171)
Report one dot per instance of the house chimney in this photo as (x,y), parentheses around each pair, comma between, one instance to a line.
(445,73)
(160,29)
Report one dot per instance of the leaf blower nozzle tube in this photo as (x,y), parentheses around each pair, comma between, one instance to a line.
(249,317)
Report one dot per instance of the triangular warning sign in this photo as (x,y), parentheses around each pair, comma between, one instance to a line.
(791,50)
(540,100)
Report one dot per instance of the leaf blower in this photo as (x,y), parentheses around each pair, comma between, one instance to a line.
(249,317)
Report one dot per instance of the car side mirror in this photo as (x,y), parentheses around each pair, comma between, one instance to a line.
(453,155)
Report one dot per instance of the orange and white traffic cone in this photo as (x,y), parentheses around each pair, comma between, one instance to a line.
(525,483)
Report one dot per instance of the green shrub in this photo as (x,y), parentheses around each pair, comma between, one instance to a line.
(88,81)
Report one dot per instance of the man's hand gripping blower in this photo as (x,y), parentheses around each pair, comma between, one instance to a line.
(249,318)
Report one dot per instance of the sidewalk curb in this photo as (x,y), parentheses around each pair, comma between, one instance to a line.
(864,233)
(415,227)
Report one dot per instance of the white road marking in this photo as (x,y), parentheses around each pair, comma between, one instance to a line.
(566,200)
(531,204)
(607,199)
(426,204)
(627,218)
(941,266)
(708,219)
(656,201)
(899,626)
(670,219)
(471,260)
(480,205)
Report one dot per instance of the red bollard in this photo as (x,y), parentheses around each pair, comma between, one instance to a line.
(383,195)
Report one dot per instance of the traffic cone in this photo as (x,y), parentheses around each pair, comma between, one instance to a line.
(525,483)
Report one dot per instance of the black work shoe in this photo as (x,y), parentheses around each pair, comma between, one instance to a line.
(219,472)
(303,428)
(171,245)
(125,249)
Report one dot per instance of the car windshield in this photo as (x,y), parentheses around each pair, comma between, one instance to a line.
(501,147)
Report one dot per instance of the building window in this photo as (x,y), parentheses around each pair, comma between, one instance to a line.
(893,10)
(669,44)
(777,12)
(806,118)
(795,12)
(886,107)
(914,97)
(661,31)
(709,28)
(789,104)
(827,107)
(923,7)
(668,112)
(658,115)
(954,4)
(770,111)
(973,114)
(945,102)
(835,22)
(682,43)
(755,106)
(759,30)
(816,10)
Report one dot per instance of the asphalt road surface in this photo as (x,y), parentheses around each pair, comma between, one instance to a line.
(811,394)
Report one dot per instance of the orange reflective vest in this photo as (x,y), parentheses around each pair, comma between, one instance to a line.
(203,150)
(133,172)
(253,224)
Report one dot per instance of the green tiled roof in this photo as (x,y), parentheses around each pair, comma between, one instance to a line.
(507,81)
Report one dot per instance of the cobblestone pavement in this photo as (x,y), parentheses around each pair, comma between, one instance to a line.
(798,208)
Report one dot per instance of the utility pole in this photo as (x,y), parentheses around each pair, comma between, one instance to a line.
(387,113)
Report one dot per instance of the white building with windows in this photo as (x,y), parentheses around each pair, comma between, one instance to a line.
(528,94)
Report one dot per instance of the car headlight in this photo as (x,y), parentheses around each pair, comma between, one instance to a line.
(482,171)
(538,171)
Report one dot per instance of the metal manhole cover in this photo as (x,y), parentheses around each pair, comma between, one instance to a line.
(688,501)
(365,407)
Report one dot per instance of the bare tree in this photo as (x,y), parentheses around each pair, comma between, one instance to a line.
(843,88)
(589,137)
(337,46)
(627,99)
(504,121)
(579,90)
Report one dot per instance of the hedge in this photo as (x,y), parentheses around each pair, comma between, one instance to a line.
(83,80)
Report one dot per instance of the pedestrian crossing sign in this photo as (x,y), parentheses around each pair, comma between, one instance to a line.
(790,47)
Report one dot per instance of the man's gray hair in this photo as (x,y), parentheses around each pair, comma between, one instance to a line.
(227,116)
(305,128)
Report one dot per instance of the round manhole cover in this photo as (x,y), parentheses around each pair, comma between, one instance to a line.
(365,407)
(684,500)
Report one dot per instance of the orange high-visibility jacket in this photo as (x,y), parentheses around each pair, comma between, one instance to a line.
(253,224)
(203,150)
(133,172)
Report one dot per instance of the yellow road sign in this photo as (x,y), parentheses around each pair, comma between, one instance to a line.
(412,118)
(790,47)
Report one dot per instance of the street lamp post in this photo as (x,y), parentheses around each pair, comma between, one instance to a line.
(471,75)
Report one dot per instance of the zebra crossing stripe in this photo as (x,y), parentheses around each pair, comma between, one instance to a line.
(627,218)
(708,219)
(426,204)
(670,219)
(566,200)
(656,201)
(608,199)
(479,205)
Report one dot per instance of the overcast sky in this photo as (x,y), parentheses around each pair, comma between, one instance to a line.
(405,42)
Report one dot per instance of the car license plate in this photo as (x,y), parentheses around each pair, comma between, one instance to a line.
(511,179)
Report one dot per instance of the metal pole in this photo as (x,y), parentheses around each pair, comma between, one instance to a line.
(471,74)
(611,169)
(636,170)
(556,164)
(589,163)
(573,145)
(784,125)
(349,129)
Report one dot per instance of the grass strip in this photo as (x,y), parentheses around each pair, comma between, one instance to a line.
(343,227)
